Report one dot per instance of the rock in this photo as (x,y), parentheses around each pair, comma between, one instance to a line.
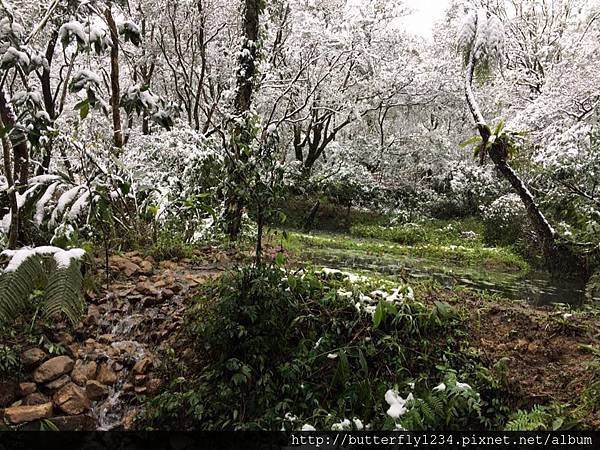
(167,293)
(122,264)
(81,422)
(58,383)
(142,366)
(37,398)
(72,400)
(9,393)
(106,375)
(129,419)
(32,357)
(146,267)
(84,371)
(93,315)
(106,338)
(53,368)
(139,380)
(154,385)
(26,413)
(65,338)
(95,390)
(27,388)
(147,288)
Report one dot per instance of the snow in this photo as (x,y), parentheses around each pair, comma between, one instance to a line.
(43,179)
(14,56)
(62,257)
(40,206)
(78,206)
(397,403)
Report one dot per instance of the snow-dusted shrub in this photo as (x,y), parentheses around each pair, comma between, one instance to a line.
(184,170)
(505,220)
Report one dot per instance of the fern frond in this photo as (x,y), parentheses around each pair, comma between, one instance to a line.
(53,269)
(16,287)
(63,293)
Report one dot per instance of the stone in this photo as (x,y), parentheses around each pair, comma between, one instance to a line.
(32,357)
(37,398)
(146,267)
(65,338)
(72,400)
(139,380)
(122,264)
(154,385)
(93,315)
(106,375)
(147,288)
(142,366)
(95,390)
(106,338)
(53,368)
(84,371)
(27,413)
(140,389)
(58,383)
(81,422)
(9,393)
(128,421)
(128,387)
(27,388)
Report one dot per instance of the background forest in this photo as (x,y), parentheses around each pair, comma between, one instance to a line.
(299,213)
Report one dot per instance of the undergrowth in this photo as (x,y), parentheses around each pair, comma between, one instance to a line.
(275,349)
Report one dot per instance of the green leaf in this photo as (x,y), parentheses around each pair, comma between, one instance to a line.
(470,141)
(280,259)
(84,109)
(499,127)
(378,316)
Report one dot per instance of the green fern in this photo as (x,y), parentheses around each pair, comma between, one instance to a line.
(62,286)
(536,419)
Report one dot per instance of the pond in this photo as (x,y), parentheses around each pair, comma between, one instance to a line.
(534,286)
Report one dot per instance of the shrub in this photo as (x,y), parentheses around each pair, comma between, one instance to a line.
(270,346)
(505,221)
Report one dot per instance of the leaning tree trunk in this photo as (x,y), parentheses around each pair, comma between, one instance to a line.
(115,90)
(241,135)
(557,257)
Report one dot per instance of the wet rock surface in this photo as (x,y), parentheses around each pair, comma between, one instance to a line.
(113,355)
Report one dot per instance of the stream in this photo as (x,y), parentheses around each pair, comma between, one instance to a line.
(535,287)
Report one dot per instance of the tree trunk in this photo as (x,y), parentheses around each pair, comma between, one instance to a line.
(241,135)
(19,144)
(557,257)
(13,232)
(115,90)
(310,219)
(48,99)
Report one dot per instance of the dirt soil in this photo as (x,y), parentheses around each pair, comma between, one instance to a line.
(543,347)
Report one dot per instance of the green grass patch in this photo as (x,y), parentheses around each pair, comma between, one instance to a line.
(476,254)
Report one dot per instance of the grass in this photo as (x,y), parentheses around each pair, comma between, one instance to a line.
(465,254)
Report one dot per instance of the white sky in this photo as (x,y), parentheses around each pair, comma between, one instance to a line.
(425,14)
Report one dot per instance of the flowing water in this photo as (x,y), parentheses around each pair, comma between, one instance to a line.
(535,287)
